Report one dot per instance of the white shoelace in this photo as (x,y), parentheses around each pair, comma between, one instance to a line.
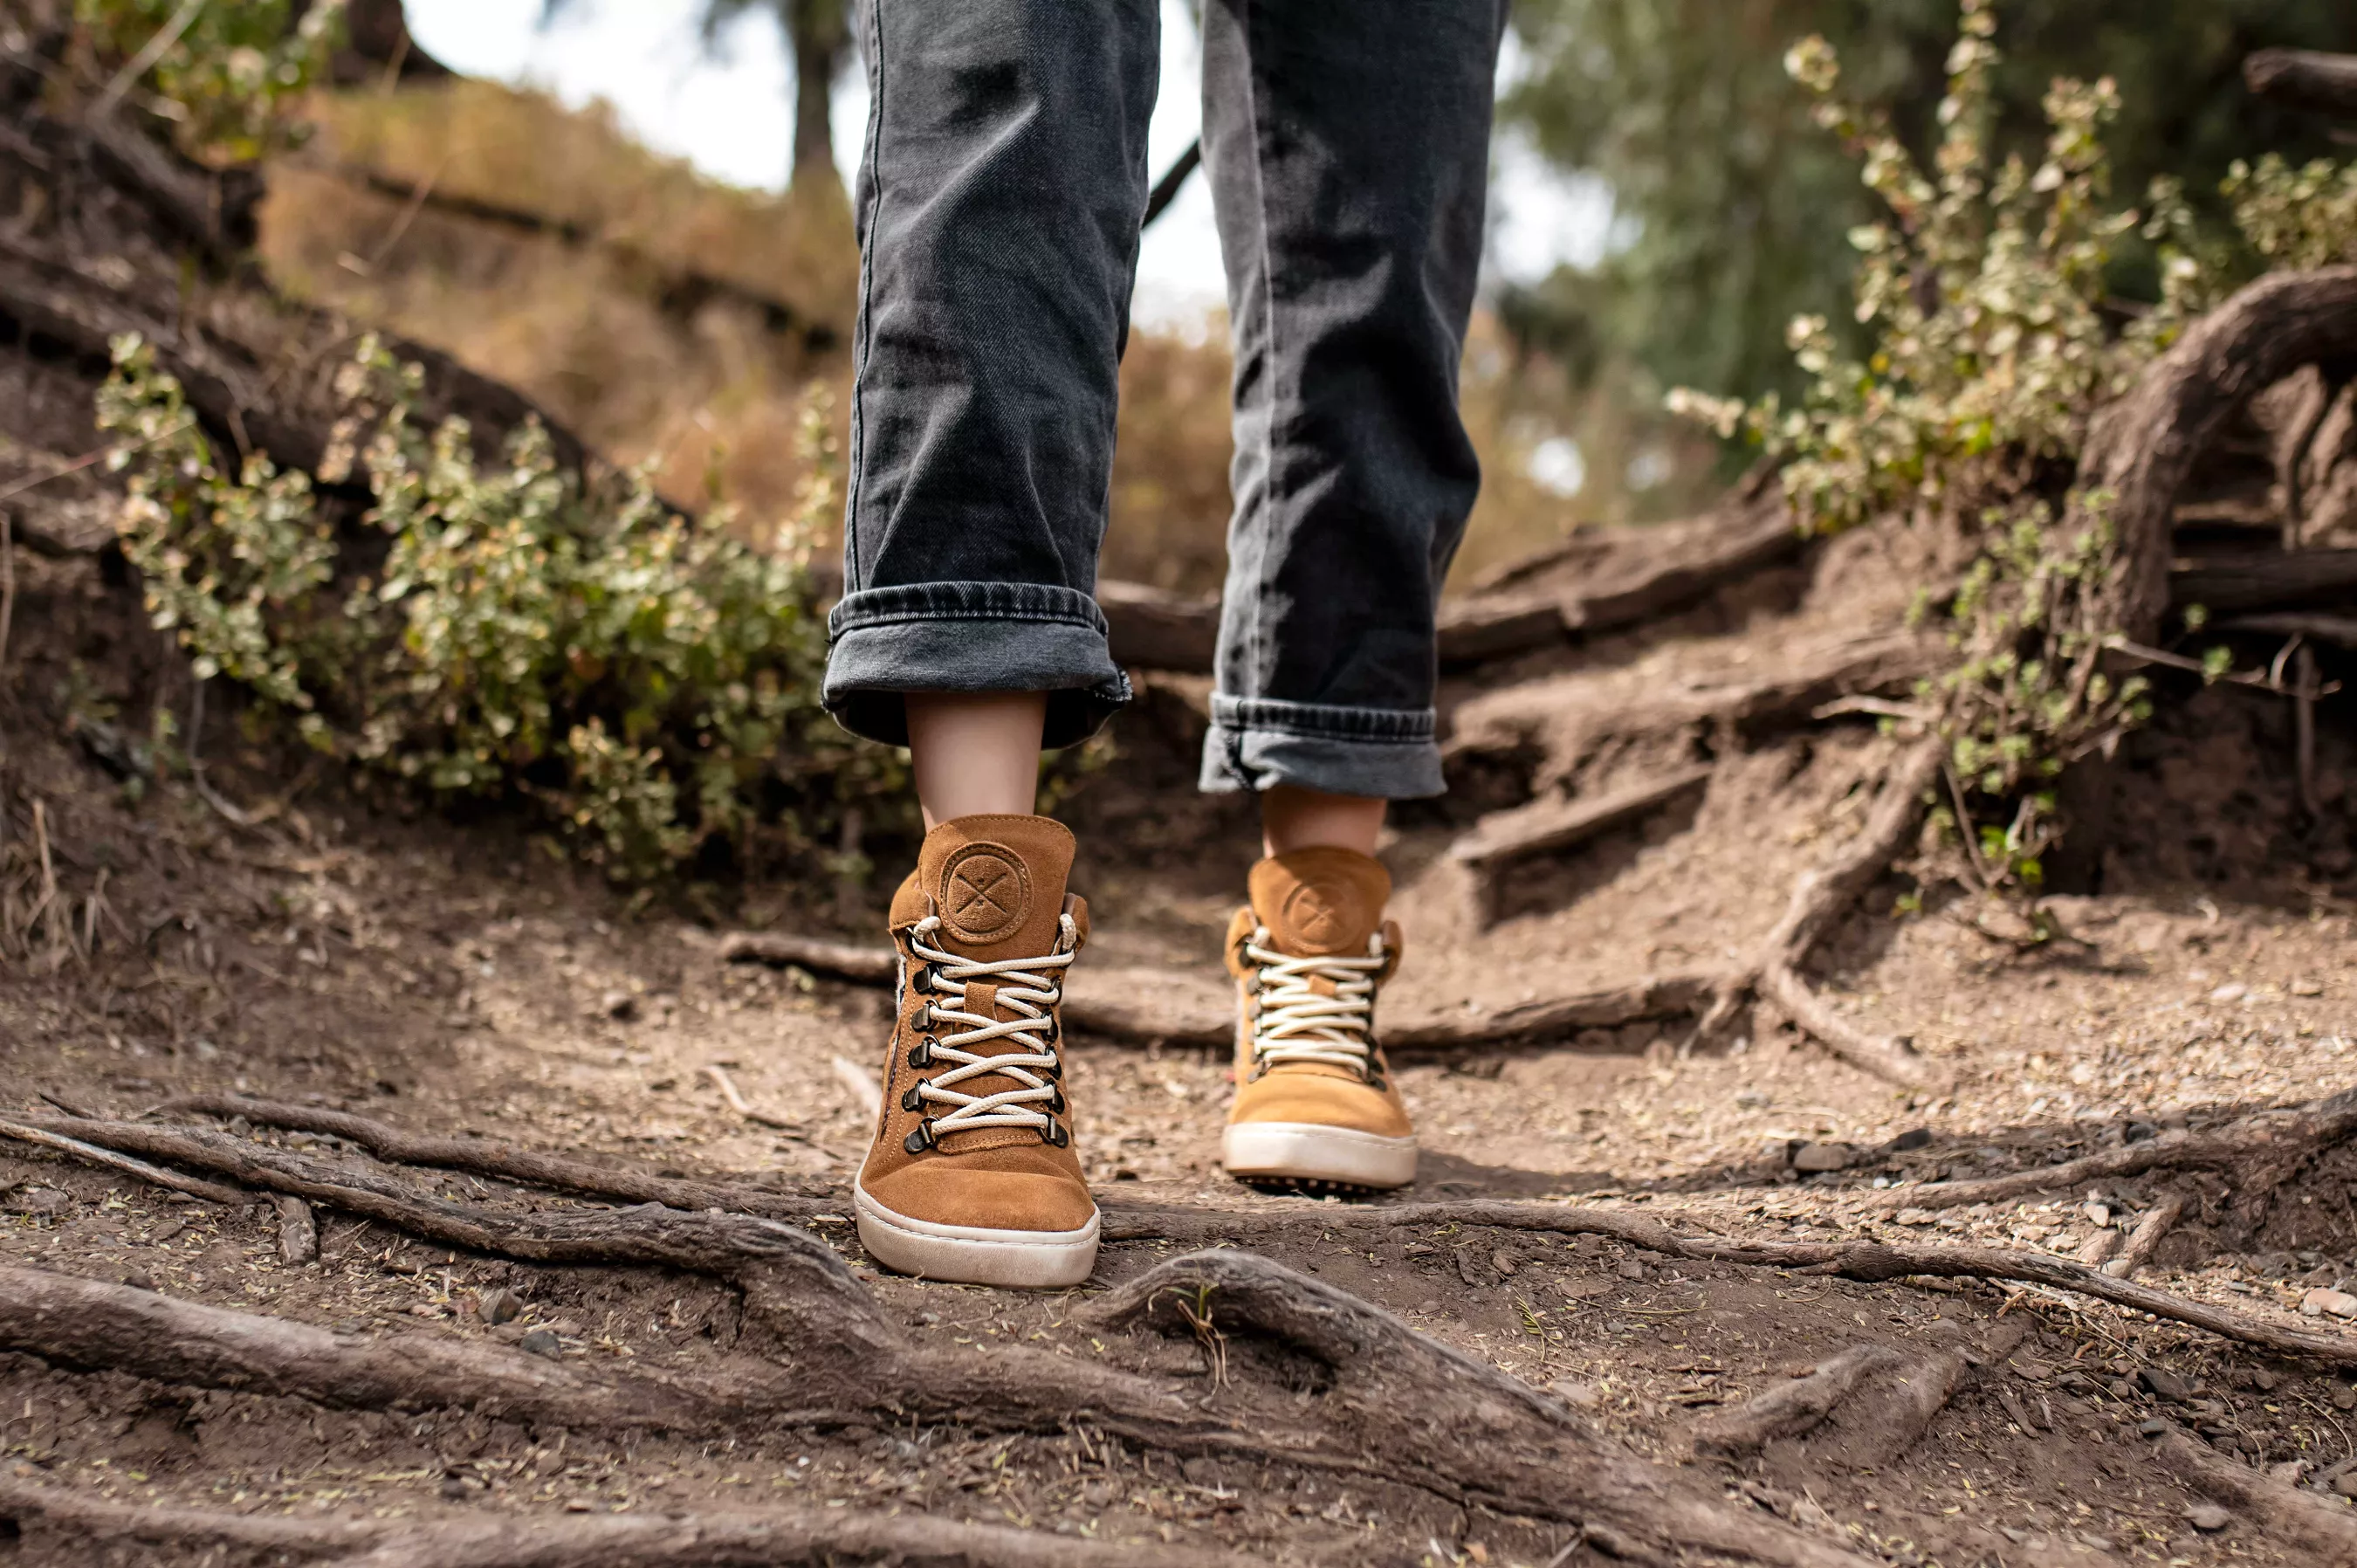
(1027,987)
(1297,1022)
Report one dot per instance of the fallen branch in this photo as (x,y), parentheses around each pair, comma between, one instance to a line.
(681,289)
(729,1539)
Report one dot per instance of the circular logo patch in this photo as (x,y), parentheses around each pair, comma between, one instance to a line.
(985,893)
(1317,914)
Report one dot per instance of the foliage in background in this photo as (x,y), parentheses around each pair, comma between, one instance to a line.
(647,680)
(227,74)
(1984,290)
(1730,212)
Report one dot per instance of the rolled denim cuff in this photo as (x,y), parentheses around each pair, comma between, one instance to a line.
(970,636)
(1257,744)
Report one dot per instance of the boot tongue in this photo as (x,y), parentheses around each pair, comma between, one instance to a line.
(997,883)
(1318,902)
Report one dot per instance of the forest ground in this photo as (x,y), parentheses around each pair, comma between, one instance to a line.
(451,978)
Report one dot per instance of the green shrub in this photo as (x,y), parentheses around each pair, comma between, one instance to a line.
(1995,342)
(228,75)
(647,680)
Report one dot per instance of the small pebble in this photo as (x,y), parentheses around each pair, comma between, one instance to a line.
(1631,1270)
(1813,1159)
(2208,1517)
(541,1342)
(498,1305)
(2165,1384)
(2155,1427)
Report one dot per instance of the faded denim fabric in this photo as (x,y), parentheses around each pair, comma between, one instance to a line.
(998,200)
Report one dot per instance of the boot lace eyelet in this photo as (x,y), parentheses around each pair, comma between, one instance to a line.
(918,1142)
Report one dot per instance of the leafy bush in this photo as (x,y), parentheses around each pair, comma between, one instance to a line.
(1995,342)
(228,74)
(647,680)
(2304,216)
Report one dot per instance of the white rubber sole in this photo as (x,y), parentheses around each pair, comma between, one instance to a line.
(1308,1151)
(974,1254)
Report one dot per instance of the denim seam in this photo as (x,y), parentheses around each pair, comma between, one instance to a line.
(1418,741)
(873,153)
(1269,446)
(906,618)
(1411,726)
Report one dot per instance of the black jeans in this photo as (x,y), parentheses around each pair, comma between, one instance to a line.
(998,203)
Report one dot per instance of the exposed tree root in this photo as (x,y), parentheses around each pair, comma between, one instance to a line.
(733,1539)
(1106,1006)
(2142,448)
(1821,897)
(1482,1437)
(1653,571)
(1495,1438)
(507,1161)
(1505,839)
(1790,1409)
(212,1192)
(2258,1153)
(2305,77)
(2149,1232)
(1889,1396)
(2324,1530)
(750,1251)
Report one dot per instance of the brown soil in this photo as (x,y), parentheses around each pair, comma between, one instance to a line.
(452,979)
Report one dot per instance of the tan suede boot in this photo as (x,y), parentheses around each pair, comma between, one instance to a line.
(1314,1097)
(973,1175)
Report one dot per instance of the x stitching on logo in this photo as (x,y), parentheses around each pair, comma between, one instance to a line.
(970,893)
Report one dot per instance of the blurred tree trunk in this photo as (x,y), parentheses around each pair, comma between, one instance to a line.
(377,39)
(820,33)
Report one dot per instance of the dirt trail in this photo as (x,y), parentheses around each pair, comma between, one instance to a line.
(452,979)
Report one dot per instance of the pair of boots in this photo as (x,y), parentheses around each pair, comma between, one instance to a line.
(973,1175)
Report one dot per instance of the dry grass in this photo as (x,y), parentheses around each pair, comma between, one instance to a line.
(711,395)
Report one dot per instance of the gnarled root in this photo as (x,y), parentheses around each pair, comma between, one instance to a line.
(2322,1531)
(2257,1154)
(1906,1395)
(734,1538)
(1822,897)
(1430,1409)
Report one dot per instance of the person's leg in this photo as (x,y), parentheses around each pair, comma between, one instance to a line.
(997,204)
(1348,149)
(976,753)
(1294,818)
(998,209)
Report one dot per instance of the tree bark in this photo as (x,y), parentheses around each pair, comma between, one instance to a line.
(2143,446)
(2305,78)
